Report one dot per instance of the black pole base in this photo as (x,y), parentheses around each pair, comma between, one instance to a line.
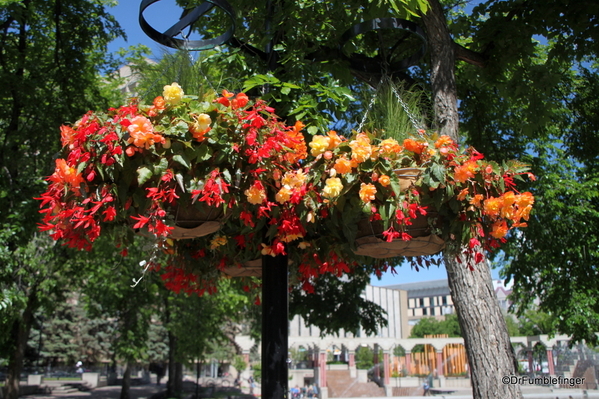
(275,327)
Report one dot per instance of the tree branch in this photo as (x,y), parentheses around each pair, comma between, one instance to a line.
(469,56)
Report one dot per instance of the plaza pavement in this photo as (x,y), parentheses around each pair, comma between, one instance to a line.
(152,391)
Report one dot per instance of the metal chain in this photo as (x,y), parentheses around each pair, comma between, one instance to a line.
(416,125)
(372,100)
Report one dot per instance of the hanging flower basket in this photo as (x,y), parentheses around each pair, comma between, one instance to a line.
(213,179)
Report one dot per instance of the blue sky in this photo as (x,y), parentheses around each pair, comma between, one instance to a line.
(161,15)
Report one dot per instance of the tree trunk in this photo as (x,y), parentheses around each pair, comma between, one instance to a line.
(125,391)
(178,380)
(172,347)
(490,354)
(20,334)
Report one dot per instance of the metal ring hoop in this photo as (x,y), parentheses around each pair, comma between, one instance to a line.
(385,23)
(167,38)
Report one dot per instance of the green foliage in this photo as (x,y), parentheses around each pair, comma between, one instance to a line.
(561,276)
(512,326)
(41,52)
(534,322)
(399,351)
(205,326)
(432,326)
(337,304)
(239,364)
(364,358)
(35,276)
(109,291)
(257,368)
(389,117)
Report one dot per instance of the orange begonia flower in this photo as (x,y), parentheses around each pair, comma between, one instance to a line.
(159,102)
(462,195)
(367,192)
(342,166)
(476,200)
(492,206)
(524,203)
(67,135)
(499,229)
(465,171)
(335,140)
(67,175)
(390,147)
(444,141)
(239,101)
(384,180)
(298,149)
(142,134)
(507,209)
(414,146)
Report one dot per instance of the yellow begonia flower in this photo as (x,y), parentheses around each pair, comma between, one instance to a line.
(389,147)
(283,195)
(202,122)
(255,195)
(173,93)
(333,187)
(319,145)
(304,245)
(267,250)
(361,148)
(218,241)
(294,179)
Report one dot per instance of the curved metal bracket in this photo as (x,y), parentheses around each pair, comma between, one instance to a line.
(187,19)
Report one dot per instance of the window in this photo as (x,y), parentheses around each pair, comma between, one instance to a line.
(424,311)
(432,311)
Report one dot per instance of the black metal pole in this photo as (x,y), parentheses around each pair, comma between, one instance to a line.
(275,330)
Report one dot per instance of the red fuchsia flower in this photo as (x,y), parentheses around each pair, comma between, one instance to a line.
(214,188)
(247,218)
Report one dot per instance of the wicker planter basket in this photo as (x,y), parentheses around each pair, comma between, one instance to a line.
(407,177)
(251,268)
(192,222)
(370,240)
